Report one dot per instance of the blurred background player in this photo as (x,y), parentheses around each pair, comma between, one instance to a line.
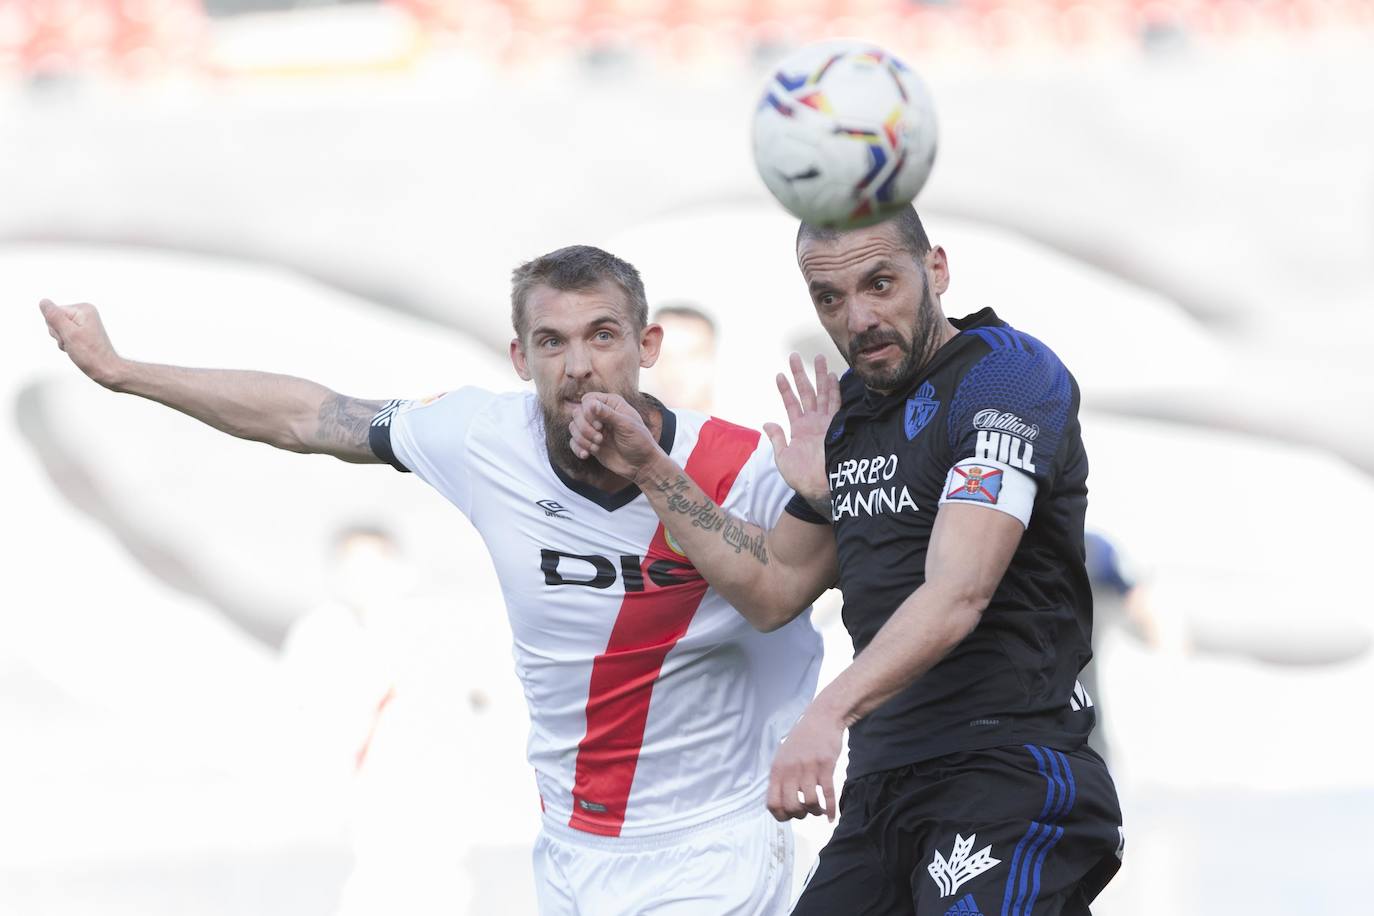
(339,656)
(391,726)
(685,374)
(1121,604)
(646,805)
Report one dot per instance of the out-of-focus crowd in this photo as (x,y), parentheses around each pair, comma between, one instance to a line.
(146,39)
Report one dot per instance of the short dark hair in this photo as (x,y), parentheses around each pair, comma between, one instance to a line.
(907,224)
(575,269)
(687,310)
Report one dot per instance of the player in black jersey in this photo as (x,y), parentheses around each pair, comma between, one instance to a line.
(953,478)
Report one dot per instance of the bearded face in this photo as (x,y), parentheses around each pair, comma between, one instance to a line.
(914,351)
(878,301)
(576,342)
(556,412)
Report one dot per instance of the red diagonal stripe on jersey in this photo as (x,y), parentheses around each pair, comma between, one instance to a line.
(647,627)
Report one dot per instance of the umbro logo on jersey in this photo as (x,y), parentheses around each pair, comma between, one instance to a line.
(961,866)
(553,508)
(920,410)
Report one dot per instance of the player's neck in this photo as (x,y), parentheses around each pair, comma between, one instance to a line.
(944,332)
(599,478)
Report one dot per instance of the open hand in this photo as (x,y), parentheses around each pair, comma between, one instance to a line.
(809,411)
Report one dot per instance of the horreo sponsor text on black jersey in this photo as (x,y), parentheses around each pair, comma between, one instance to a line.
(992,421)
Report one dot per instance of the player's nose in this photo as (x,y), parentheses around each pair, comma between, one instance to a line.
(577,362)
(862,315)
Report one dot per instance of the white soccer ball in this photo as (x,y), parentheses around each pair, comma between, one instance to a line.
(844,134)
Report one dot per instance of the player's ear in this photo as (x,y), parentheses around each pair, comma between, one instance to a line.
(937,268)
(650,343)
(517,359)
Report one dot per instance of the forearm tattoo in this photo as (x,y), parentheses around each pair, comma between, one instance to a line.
(709,517)
(345,421)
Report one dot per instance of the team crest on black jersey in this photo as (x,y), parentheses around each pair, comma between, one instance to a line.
(920,410)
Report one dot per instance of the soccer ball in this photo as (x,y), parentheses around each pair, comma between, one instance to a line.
(844,135)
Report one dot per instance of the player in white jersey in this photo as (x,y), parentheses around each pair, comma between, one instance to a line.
(655,707)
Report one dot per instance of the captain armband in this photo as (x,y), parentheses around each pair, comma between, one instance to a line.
(992,484)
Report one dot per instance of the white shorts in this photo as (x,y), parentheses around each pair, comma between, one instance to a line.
(736,865)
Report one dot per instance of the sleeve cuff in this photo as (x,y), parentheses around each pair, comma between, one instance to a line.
(379,435)
(801,509)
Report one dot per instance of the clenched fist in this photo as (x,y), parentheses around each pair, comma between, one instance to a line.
(80,334)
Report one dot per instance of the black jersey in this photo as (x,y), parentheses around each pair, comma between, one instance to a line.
(1000,397)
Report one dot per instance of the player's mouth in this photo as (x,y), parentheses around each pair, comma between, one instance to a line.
(875,345)
(877,351)
(572,401)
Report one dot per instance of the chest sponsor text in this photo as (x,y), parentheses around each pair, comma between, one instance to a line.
(868,487)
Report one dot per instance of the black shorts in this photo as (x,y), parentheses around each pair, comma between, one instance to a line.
(1008,831)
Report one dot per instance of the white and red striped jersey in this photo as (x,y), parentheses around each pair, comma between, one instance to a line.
(654,705)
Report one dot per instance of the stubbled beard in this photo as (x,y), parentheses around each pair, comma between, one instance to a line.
(915,353)
(557,439)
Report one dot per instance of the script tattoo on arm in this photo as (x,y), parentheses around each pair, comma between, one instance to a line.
(708,516)
(345,421)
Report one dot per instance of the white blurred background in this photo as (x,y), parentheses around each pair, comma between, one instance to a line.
(216,699)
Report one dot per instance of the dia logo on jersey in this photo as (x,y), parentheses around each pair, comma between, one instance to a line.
(594,571)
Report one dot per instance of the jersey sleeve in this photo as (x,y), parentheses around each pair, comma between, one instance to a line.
(799,508)
(1006,421)
(766,494)
(429,437)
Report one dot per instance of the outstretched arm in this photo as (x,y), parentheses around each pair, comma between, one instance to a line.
(769,576)
(283,411)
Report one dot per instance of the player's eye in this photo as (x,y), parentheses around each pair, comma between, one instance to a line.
(604,335)
(548,343)
(882,284)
